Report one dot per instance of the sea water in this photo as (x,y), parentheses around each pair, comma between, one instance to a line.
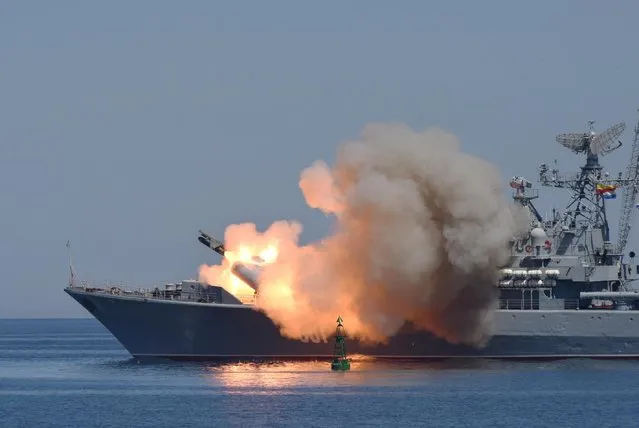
(61,373)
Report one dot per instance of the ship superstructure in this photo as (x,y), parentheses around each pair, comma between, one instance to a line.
(568,290)
(568,261)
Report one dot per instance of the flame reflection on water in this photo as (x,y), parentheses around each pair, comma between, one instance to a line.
(289,377)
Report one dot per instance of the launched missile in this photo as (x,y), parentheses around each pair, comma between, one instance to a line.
(218,247)
(248,274)
(212,243)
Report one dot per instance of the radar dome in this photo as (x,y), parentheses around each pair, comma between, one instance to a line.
(538,236)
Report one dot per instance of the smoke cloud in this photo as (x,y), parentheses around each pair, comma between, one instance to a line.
(421,230)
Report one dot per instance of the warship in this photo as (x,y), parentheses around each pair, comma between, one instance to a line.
(567,291)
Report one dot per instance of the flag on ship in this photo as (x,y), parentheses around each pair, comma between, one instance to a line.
(606,190)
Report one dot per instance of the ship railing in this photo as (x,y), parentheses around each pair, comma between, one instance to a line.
(518,304)
(571,303)
(110,287)
(118,289)
(559,180)
(105,285)
(528,194)
(181,295)
(533,303)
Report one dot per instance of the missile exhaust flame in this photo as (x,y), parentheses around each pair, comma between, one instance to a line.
(250,275)
(437,213)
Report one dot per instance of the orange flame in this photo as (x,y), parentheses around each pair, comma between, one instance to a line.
(249,253)
(284,267)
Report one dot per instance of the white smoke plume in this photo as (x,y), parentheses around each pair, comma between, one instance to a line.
(421,230)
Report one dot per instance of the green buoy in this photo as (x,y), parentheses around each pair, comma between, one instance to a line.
(340,362)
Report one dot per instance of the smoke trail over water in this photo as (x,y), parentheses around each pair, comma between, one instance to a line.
(421,229)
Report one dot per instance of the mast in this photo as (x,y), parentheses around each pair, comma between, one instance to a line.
(585,216)
(71,270)
(629,194)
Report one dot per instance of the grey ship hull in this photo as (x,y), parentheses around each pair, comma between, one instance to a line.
(205,331)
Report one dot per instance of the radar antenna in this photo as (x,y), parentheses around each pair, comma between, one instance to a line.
(604,143)
(591,186)
(590,142)
(629,194)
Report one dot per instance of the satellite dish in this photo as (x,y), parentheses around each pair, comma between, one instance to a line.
(597,144)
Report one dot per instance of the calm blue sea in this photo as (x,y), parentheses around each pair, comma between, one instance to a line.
(60,373)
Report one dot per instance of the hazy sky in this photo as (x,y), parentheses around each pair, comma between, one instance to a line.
(126,126)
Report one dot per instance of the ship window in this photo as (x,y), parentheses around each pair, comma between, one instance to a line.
(547,293)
